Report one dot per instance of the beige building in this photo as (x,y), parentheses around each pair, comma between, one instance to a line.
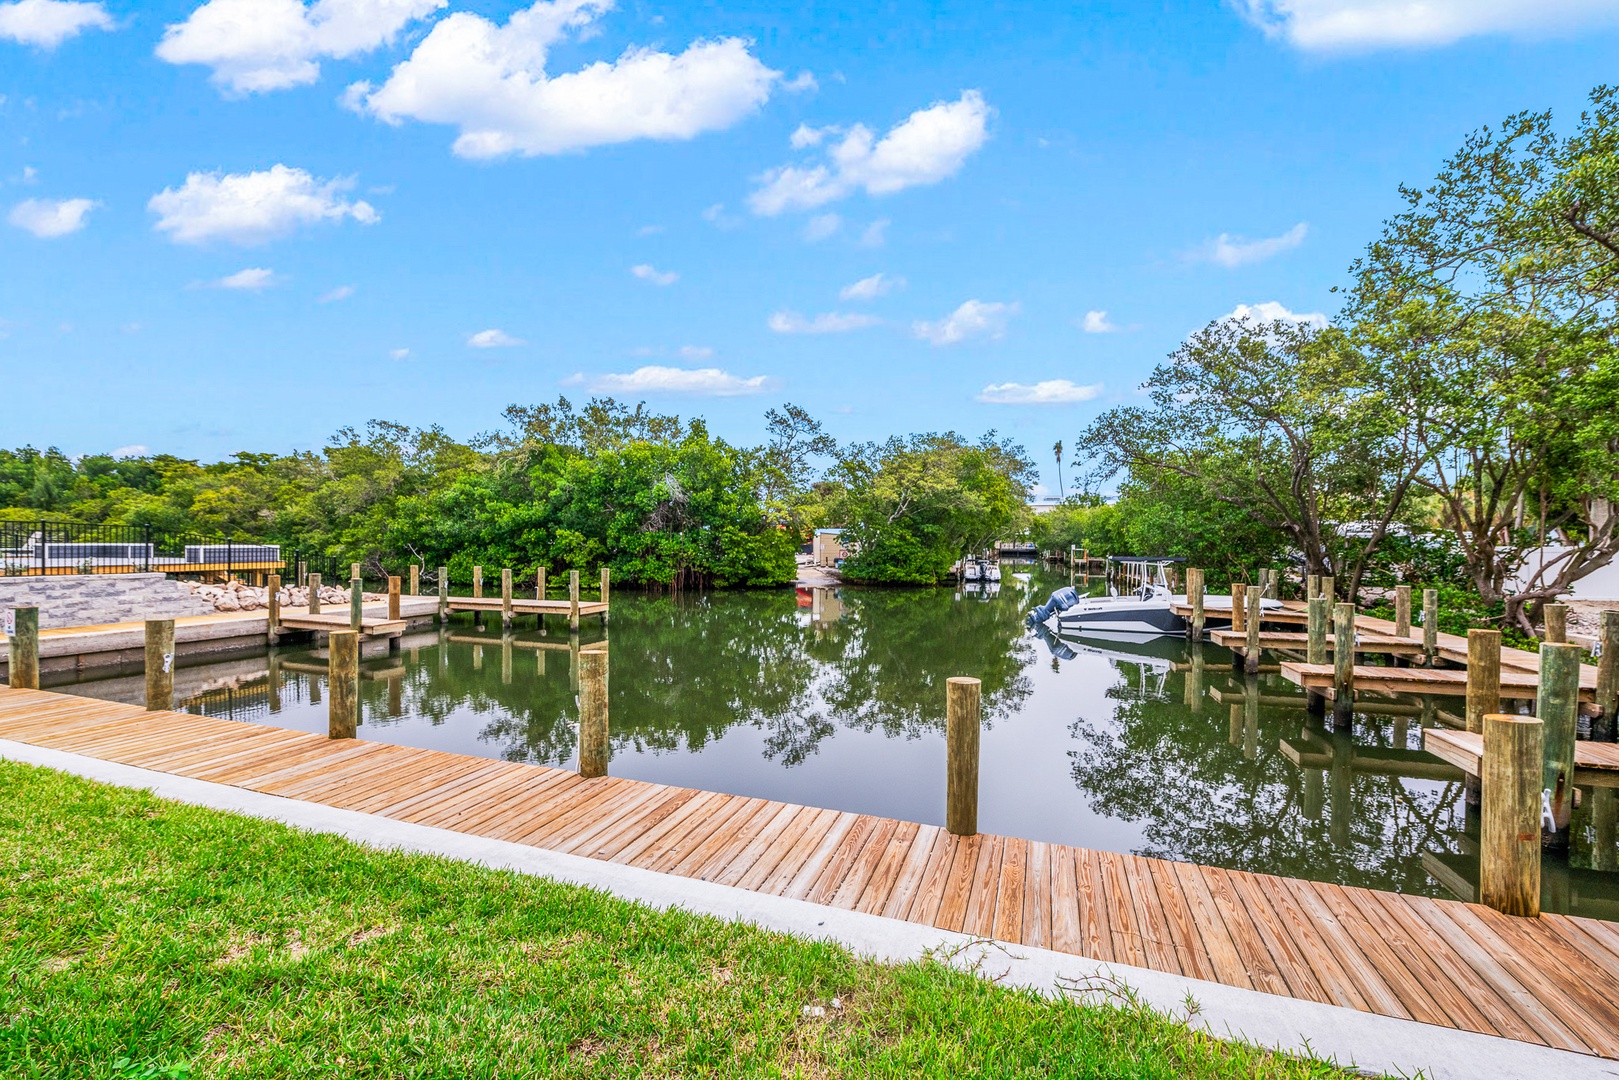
(827,548)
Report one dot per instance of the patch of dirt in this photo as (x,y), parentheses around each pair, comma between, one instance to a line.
(360,937)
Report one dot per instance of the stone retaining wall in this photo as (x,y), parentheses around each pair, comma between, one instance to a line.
(93,599)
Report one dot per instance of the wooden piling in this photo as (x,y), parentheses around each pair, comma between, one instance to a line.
(593,713)
(1194,677)
(1402,614)
(314,594)
(443,594)
(1483,677)
(356,604)
(606,583)
(1250,718)
(159,665)
(506,598)
(1312,587)
(22,660)
(1557,705)
(539,585)
(573,601)
(1319,612)
(1250,658)
(343,684)
(1329,588)
(272,597)
(1273,585)
(962,721)
(506,658)
(1194,596)
(1555,620)
(1509,833)
(1607,694)
(393,598)
(354,572)
(415,580)
(1239,606)
(1343,665)
(477,581)
(1430,624)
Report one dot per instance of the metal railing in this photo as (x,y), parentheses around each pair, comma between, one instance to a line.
(38,548)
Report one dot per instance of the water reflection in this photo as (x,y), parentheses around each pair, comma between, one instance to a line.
(836,698)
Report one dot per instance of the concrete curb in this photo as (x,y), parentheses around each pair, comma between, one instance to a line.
(1377,1043)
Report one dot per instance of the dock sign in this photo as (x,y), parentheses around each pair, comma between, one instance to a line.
(10,623)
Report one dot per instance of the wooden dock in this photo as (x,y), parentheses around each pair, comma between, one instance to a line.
(1290,611)
(1515,684)
(1237,641)
(1596,764)
(372,625)
(525,607)
(1550,981)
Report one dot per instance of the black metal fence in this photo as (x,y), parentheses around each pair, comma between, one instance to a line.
(37,548)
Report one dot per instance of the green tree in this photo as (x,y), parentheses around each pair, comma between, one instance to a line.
(1283,424)
(1488,308)
(912,507)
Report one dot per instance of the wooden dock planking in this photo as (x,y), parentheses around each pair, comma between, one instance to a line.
(1596,764)
(1410,680)
(1552,981)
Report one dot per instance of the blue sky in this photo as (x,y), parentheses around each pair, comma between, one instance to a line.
(245,223)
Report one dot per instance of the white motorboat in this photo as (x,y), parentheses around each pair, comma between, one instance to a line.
(1146,606)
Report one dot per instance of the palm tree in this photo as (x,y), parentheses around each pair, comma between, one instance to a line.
(1058,451)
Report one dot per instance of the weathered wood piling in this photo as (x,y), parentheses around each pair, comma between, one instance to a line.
(356,603)
(1343,665)
(159,665)
(1430,624)
(1509,829)
(506,598)
(1250,657)
(1402,611)
(1555,620)
(1557,706)
(963,709)
(573,601)
(343,684)
(314,594)
(1194,596)
(272,595)
(593,745)
(22,658)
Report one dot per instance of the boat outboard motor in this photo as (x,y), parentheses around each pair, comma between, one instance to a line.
(1059,648)
(1061,600)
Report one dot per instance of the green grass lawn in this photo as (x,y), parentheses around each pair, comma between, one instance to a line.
(142,938)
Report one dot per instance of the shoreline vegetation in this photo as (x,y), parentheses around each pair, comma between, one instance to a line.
(148,939)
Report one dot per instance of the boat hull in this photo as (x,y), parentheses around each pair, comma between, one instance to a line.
(1147,618)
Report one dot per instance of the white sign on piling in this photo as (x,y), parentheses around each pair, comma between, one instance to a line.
(10,623)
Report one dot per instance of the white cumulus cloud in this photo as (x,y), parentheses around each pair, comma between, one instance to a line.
(973,319)
(252,208)
(1364,24)
(252,279)
(491,82)
(492,339)
(132,450)
(259,45)
(648,272)
(655,379)
(48,23)
(832,322)
(695,352)
(1047,392)
(930,145)
(821,226)
(342,292)
(1270,311)
(1096,322)
(1233,251)
(51,218)
(871,288)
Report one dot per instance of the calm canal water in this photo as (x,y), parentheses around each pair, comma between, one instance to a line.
(836,698)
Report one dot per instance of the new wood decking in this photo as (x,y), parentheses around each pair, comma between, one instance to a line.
(1551,981)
